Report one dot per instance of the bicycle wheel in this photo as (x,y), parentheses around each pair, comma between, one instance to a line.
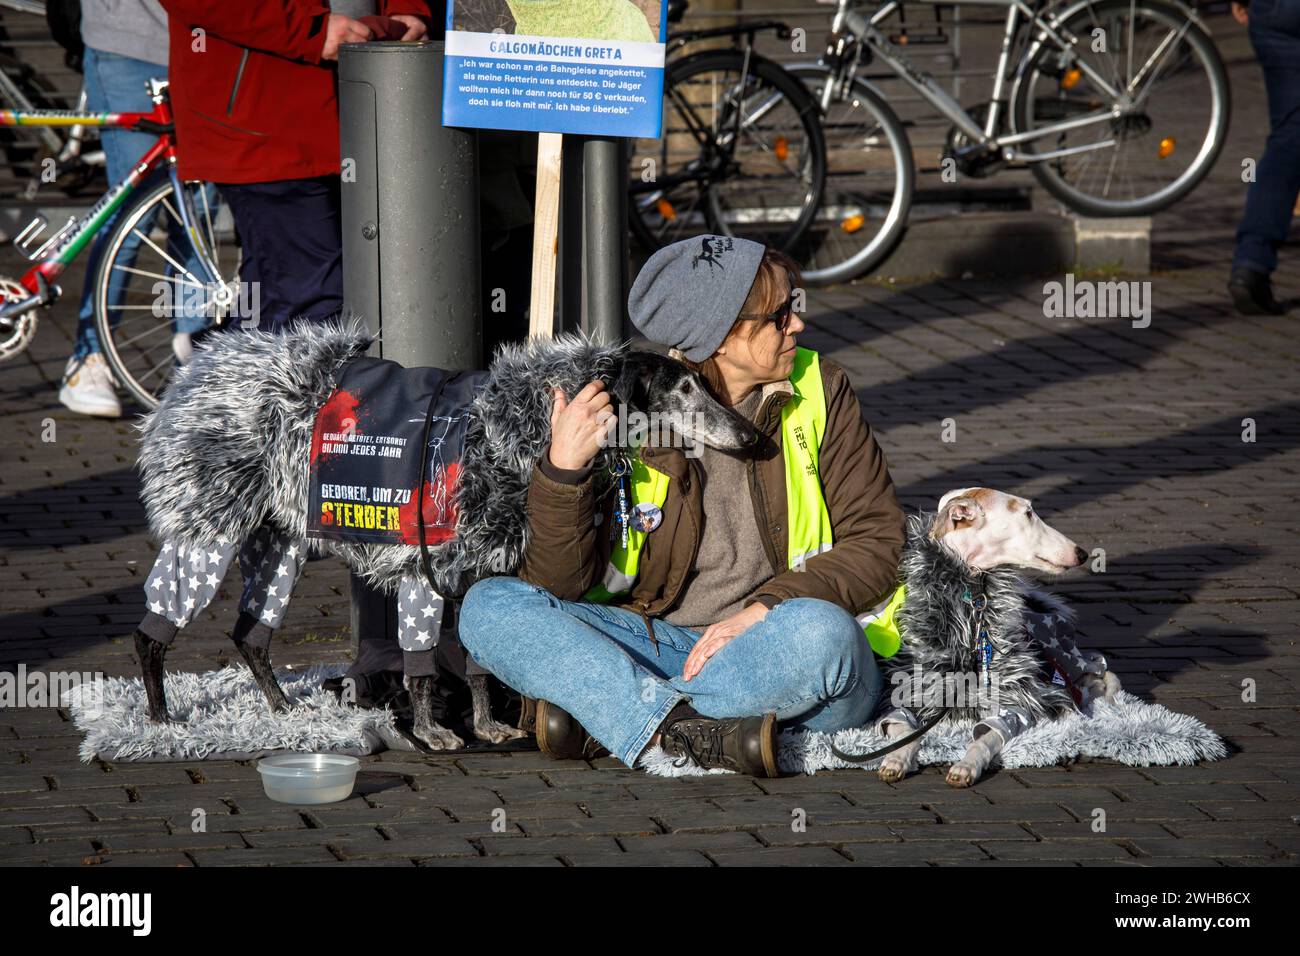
(1162,132)
(869,183)
(741,154)
(154,280)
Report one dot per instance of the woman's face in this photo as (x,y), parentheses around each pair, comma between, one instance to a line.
(761,350)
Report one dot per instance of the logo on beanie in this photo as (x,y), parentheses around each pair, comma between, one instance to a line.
(711,248)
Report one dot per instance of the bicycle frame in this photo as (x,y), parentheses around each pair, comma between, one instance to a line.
(76,138)
(56,253)
(866,30)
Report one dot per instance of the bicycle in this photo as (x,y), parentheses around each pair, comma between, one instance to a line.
(741,152)
(1068,89)
(188,282)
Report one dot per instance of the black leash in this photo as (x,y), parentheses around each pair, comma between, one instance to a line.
(976,597)
(901,742)
(426,564)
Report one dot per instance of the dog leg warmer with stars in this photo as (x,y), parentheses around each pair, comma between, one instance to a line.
(271,563)
(182,583)
(1010,722)
(419,622)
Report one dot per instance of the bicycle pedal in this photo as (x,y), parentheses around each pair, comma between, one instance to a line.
(31,232)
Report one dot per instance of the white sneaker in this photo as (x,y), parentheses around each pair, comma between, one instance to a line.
(183,347)
(88,387)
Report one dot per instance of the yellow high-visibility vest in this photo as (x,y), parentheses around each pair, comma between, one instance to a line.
(803,422)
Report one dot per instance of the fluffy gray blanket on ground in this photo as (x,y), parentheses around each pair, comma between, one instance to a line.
(221,715)
(1126,730)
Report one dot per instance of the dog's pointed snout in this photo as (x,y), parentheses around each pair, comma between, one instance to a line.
(1080,555)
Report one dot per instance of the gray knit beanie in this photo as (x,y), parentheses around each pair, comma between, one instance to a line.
(688,295)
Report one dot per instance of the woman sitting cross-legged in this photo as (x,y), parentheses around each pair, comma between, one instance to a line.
(724,609)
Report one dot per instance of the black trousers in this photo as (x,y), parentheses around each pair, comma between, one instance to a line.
(292,237)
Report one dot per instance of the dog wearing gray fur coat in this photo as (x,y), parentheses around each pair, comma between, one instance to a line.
(224,474)
(975,636)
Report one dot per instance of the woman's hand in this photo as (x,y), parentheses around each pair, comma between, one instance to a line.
(579,428)
(719,635)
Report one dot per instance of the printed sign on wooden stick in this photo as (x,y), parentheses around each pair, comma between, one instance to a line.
(593,67)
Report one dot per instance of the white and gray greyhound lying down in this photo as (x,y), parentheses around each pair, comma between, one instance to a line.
(975,638)
(224,463)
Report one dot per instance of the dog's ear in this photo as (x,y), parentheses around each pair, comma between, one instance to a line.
(631,384)
(955,514)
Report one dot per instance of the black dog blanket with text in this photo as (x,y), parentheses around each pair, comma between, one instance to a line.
(366,446)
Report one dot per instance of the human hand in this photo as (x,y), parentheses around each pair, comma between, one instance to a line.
(579,427)
(340,30)
(1240,14)
(719,635)
(416,29)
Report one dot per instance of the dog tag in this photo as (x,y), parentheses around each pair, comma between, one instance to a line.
(646,517)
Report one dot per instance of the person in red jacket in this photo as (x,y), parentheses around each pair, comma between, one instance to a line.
(253,90)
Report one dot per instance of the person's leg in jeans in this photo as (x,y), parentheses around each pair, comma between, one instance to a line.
(1270,201)
(118,84)
(807,661)
(292,238)
(113,84)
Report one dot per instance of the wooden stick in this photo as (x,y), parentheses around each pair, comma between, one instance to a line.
(546,223)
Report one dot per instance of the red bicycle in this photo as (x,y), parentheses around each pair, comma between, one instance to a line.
(163,269)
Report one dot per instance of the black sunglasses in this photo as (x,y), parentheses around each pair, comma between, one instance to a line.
(781,316)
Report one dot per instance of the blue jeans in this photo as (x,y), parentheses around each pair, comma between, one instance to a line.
(1275,35)
(116,84)
(807,661)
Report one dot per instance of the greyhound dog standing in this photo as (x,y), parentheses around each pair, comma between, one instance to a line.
(225,465)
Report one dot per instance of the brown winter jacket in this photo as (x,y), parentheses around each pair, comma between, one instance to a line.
(567,550)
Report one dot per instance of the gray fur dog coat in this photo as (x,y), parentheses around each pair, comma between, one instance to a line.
(935,626)
(227,450)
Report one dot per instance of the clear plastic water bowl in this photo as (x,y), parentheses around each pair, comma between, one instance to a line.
(308,778)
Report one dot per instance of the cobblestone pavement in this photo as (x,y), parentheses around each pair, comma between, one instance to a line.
(1128,439)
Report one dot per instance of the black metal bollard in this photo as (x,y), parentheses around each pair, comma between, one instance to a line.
(410,232)
(593,261)
(604,173)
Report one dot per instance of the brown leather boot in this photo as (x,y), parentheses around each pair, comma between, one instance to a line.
(562,737)
(743,744)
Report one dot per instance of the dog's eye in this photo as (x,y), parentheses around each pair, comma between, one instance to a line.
(1029,516)
(686,387)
